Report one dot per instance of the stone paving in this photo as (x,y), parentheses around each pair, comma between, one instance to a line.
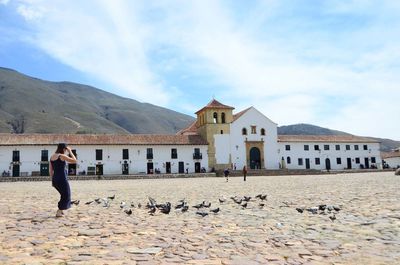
(366,229)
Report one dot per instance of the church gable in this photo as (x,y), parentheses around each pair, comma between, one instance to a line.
(252,116)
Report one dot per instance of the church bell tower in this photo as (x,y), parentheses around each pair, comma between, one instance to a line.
(214,118)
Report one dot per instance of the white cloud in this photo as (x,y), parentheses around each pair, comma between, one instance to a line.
(274,75)
(102,39)
(4,2)
(30,12)
(377,115)
(292,69)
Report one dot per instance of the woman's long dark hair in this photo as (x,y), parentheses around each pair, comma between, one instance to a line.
(60,148)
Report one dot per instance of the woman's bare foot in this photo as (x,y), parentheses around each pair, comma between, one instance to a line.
(59,213)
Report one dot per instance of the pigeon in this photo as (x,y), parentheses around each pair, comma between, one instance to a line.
(300,210)
(221,200)
(132,205)
(198,206)
(89,202)
(98,200)
(246,198)
(262,197)
(244,205)
(128,212)
(238,201)
(122,205)
(313,210)
(152,202)
(333,217)
(336,208)
(208,205)
(165,208)
(185,208)
(261,205)
(180,204)
(111,197)
(322,207)
(139,205)
(76,202)
(106,204)
(215,210)
(152,210)
(202,214)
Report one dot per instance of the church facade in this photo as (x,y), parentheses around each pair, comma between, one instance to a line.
(216,140)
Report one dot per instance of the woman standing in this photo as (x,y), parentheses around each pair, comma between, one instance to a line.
(244,172)
(58,174)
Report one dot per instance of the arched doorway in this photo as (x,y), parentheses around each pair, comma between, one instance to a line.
(255,158)
(328,164)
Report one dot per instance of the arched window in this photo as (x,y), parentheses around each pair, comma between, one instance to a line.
(215,117)
(262,131)
(223,117)
(244,131)
(288,160)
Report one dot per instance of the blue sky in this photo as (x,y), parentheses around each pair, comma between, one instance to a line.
(330,63)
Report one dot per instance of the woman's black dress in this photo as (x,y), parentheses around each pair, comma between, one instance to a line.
(60,182)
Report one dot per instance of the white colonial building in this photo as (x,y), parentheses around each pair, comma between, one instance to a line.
(250,138)
(336,152)
(28,154)
(392,159)
(218,139)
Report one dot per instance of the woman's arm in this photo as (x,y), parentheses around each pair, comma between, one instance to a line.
(51,171)
(70,159)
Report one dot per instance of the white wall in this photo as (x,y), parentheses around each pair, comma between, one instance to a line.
(30,157)
(222,148)
(393,162)
(238,141)
(297,151)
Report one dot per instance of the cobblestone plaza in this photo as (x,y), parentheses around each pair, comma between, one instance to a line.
(365,231)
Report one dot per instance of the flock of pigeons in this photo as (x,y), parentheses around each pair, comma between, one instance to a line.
(322,209)
(204,208)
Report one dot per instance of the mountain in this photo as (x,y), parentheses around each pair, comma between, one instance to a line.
(31,105)
(308,129)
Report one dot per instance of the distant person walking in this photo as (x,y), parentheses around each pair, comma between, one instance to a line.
(226,173)
(58,174)
(244,173)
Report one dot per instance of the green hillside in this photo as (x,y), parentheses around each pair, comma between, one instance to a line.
(30,105)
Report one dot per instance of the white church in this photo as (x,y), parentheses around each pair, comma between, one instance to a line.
(217,139)
(250,138)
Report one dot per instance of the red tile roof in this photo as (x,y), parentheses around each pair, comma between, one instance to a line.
(215,104)
(325,138)
(390,154)
(239,114)
(190,130)
(100,139)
